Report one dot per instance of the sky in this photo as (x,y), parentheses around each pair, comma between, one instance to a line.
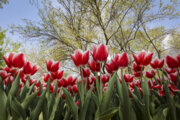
(14,12)
(17,10)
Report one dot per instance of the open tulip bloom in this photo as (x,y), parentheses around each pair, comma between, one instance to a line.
(143,88)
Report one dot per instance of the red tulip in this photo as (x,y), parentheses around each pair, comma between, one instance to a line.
(173,78)
(94,66)
(35,69)
(100,53)
(128,78)
(157,64)
(29,69)
(58,74)
(117,62)
(15,60)
(137,68)
(150,84)
(137,74)
(157,86)
(80,58)
(32,81)
(161,93)
(143,58)
(74,88)
(105,78)
(178,59)
(46,77)
(171,62)
(123,60)
(8,59)
(4,74)
(169,70)
(172,87)
(61,83)
(52,66)
(111,67)
(77,102)
(51,88)
(150,74)
(69,81)
(86,72)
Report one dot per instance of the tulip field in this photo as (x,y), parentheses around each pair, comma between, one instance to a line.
(106,88)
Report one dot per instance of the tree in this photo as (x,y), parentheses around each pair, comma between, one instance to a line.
(3,2)
(67,25)
(6,45)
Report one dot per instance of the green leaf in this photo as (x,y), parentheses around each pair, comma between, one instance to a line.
(161,114)
(71,103)
(31,89)
(108,94)
(25,90)
(86,104)
(37,110)
(55,106)
(3,101)
(17,110)
(125,102)
(172,108)
(146,95)
(109,113)
(15,86)
(28,100)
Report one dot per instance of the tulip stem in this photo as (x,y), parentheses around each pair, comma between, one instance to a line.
(178,78)
(82,87)
(159,75)
(101,86)
(162,75)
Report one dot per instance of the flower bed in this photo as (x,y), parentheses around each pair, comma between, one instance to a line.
(103,90)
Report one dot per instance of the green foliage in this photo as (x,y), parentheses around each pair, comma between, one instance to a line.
(3,2)
(6,45)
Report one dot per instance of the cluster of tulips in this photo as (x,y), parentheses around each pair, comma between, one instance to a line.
(105,82)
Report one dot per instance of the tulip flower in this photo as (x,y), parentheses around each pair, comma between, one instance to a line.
(69,81)
(128,78)
(137,68)
(77,102)
(51,88)
(46,77)
(100,53)
(111,67)
(74,88)
(143,58)
(29,69)
(173,78)
(123,60)
(4,74)
(169,70)
(150,74)
(161,92)
(86,72)
(80,58)
(117,62)
(178,59)
(58,74)
(172,87)
(15,60)
(105,78)
(171,62)
(94,66)
(137,74)
(157,64)
(52,66)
